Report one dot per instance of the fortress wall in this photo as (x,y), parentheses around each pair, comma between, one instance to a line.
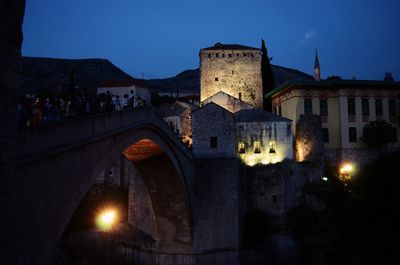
(233,72)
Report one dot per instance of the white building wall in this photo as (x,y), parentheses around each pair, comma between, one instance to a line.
(269,134)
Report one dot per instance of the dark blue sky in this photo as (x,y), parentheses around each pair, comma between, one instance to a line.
(161,38)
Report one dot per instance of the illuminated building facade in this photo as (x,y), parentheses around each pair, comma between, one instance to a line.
(255,136)
(231,122)
(262,137)
(233,69)
(178,117)
(345,108)
(135,88)
(227,101)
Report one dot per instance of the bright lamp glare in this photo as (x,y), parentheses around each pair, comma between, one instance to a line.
(106,219)
(346,168)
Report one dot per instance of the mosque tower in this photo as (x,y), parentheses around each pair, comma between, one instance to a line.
(317,69)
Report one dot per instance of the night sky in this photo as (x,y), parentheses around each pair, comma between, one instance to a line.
(160,38)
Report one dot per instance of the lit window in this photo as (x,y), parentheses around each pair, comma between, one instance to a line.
(352,135)
(272,147)
(257,147)
(242,149)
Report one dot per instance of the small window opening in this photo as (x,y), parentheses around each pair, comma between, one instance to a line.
(257,147)
(242,149)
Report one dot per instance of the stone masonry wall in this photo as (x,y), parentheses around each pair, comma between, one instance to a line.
(359,156)
(213,121)
(233,72)
(140,209)
(217,204)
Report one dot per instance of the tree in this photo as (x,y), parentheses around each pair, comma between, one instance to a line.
(268,81)
(377,134)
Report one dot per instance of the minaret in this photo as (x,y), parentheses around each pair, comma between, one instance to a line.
(317,69)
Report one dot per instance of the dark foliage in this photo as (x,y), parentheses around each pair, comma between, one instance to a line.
(157,100)
(268,81)
(378,134)
(366,214)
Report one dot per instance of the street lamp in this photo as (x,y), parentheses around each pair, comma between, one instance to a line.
(106,219)
(345,172)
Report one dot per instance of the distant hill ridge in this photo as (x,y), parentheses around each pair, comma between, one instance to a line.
(189,80)
(51,74)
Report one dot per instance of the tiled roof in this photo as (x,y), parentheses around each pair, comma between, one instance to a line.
(220,46)
(333,84)
(238,101)
(257,115)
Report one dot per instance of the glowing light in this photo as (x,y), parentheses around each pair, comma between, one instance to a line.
(345,172)
(346,169)
(324,178)
(264,158)
(301,153)
(106,219)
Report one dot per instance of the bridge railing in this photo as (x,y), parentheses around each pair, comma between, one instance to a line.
(34,142)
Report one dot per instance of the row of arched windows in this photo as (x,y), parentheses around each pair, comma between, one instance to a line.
(231,55)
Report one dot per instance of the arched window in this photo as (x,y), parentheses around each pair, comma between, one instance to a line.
(351,106)
(378,105)
(308,108)
(323,106)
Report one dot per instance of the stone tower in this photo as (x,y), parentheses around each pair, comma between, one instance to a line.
(233,69)
(317,69)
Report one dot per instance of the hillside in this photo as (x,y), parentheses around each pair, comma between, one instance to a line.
(189,81)
(42,75)
(49,75)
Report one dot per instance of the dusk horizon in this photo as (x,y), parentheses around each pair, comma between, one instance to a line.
(159,40)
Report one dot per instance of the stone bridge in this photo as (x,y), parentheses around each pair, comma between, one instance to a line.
(46,171)
(56,165)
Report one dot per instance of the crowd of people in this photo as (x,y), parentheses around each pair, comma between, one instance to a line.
(34,110)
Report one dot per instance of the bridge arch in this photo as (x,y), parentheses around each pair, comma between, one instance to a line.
(67,172)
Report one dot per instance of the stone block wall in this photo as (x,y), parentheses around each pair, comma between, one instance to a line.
(217,210)
(233,72)
(140,209)
(213,121)
(358,156)
(309,142)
